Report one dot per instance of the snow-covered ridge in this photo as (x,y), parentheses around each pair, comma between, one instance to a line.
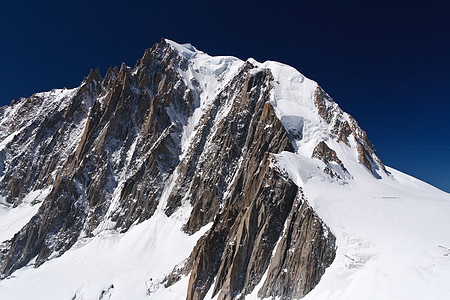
(206,74)
(293,99)
(42,103)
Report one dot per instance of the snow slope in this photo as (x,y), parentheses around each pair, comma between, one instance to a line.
(13,219)
(111,265)
(393,233)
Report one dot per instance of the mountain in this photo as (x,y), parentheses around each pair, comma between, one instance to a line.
(200,177)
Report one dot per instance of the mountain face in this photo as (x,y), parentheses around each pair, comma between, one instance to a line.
(187,176)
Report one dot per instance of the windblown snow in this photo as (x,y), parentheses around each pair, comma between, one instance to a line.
(392,233)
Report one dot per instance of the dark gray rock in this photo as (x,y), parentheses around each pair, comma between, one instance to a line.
(87,176)
(305,250)
(342,129)
(328,155)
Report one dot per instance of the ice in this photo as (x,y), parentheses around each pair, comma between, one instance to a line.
(294,125)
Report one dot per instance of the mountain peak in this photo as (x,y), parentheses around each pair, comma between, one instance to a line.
(206,177)
(186,50)
(94,75)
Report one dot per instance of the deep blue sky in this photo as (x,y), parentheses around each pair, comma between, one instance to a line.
(385,62)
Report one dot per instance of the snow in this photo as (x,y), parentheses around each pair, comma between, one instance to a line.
(211,73)
(13,219)
(392,234)
(130,262)
(19,118)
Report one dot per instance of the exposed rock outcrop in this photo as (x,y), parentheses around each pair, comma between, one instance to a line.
(47,127)
(305,250)
(237,250)
(129,146)
(344,127)
(328,155)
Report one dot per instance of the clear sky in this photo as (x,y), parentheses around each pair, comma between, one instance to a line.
(387,63)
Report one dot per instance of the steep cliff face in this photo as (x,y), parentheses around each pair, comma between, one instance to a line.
(304,251)
(343,127)
(194,136)
(329,157)
(38,135)
(236,253)
(251,207)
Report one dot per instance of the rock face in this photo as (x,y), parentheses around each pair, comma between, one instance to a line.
(45,129)
(328,156)
(180,128)
(305,250)
(344,127)
(237,251)
(117,167)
